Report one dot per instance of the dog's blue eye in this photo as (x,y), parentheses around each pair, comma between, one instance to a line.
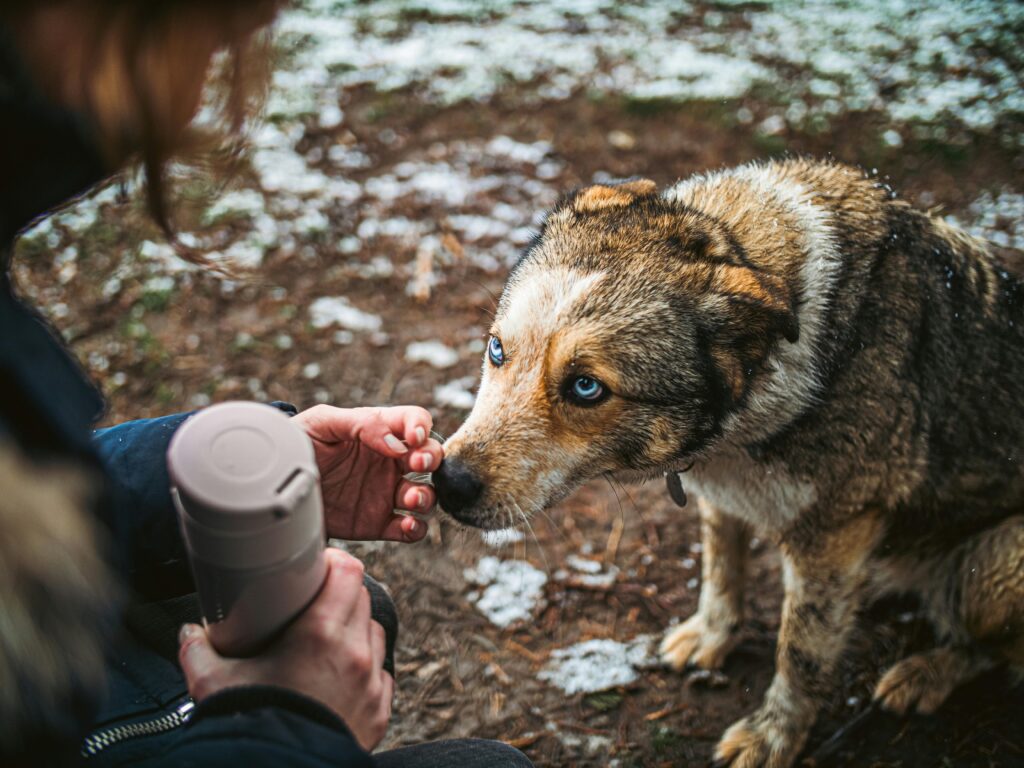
(585,390)
(495,352)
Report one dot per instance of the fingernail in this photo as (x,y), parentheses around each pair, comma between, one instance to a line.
(185,633)
(421,435)
(424,462)
(414,529)
(395,444)
(421,498)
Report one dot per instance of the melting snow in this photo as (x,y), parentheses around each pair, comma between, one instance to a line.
(239,202)
(583,565)
(336,310)
(590,573)
(597,665)
(998,217)
(435,353)
(919,60)
(456,393)
(513,589)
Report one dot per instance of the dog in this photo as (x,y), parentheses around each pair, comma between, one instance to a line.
(840,374)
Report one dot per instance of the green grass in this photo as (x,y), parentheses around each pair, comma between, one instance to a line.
(603,702)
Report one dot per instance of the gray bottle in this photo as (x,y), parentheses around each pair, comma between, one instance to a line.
(247,490)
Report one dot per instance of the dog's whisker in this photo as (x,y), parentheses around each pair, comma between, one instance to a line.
(632,502)
(526,521)
(536,507)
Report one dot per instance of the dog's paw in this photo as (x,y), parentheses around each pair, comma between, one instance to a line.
(696,643)
(760,741)
(920,682)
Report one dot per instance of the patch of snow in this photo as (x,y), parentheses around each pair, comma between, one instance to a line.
(475,227)
(590,573)
(597,665)
(433,352)
(239,202)
(331,116)
(582,564)
(456,394)
(517,151)
(921,60)
(892,138)
(996,216)
(336,310)
(310,222)
(163,258)
(159,284)
(591,744)
(512,589)
(244,253)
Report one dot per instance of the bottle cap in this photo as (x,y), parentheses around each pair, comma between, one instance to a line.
(238,466)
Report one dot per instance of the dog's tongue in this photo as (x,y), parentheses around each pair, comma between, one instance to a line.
(675,488)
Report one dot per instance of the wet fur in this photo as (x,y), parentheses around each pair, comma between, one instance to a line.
(845,374)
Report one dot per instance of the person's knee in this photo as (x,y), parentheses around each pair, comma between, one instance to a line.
(510,757)
(496,753)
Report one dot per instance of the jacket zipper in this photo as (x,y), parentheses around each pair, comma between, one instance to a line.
(100,740)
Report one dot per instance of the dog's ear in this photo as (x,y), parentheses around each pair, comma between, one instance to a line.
(747,312)
(600,196)
(765,294)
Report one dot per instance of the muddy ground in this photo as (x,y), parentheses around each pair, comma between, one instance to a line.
(459,675)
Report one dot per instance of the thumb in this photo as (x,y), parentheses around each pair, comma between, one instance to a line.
(199,661)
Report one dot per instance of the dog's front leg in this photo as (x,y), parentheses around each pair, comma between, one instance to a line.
(824,585)
(705,639)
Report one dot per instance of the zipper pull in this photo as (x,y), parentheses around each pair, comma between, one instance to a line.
(184,712)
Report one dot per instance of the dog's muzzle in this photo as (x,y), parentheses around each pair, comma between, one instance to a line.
(458,490)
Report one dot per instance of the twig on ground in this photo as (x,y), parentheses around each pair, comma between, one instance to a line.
(828,749)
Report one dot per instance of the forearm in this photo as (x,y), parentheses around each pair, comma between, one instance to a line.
(138,511)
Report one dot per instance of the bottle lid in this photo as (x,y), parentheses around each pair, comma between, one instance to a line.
(237,458)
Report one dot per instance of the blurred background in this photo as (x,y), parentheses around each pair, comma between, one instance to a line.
(405,152)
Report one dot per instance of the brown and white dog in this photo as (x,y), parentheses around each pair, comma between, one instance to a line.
(844,373)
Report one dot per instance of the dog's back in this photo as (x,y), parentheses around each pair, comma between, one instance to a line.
(912,368)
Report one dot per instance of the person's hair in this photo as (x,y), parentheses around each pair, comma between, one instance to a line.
(135,69)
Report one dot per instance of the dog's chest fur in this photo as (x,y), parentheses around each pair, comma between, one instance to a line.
(764,494)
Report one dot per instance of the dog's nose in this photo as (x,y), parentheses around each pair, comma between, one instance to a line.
(458,489)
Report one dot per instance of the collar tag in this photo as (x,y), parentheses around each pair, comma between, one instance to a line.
(675,488)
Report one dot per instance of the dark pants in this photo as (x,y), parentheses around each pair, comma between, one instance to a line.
(454,753)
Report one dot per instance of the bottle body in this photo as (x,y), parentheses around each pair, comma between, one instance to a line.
(246,487)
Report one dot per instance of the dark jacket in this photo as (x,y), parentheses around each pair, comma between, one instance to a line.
(47,410)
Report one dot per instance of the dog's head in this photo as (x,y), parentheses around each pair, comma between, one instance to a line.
(631,327)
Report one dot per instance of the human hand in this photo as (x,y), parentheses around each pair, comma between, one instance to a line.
(362,462)
(333,653)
